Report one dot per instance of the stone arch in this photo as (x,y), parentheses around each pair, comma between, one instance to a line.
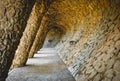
(53,37)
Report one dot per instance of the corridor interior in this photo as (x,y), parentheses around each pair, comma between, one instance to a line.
(59,40)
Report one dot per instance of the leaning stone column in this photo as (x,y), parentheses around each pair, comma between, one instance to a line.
(13,19)
(40,37)
(29,34)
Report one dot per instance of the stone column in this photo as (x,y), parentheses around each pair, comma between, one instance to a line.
(40,37)
(13,19)
(29,34)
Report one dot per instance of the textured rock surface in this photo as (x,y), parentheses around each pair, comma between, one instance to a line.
(13,19)
(90,44)
(90,47)
(30,32)
(40,37)
(29,35)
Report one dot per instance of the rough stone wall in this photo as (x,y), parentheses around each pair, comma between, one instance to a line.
(13,18)
(103,63)
(91,45)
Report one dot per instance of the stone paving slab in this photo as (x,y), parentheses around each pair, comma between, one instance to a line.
(43,67)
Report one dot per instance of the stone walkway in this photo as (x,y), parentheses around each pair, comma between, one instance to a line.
(45,66)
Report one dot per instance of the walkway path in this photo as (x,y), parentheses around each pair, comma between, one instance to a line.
(45,66)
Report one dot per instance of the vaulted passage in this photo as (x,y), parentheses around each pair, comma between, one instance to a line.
(53,37)
(83,34)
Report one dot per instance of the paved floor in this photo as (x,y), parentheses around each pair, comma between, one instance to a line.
(45,66)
